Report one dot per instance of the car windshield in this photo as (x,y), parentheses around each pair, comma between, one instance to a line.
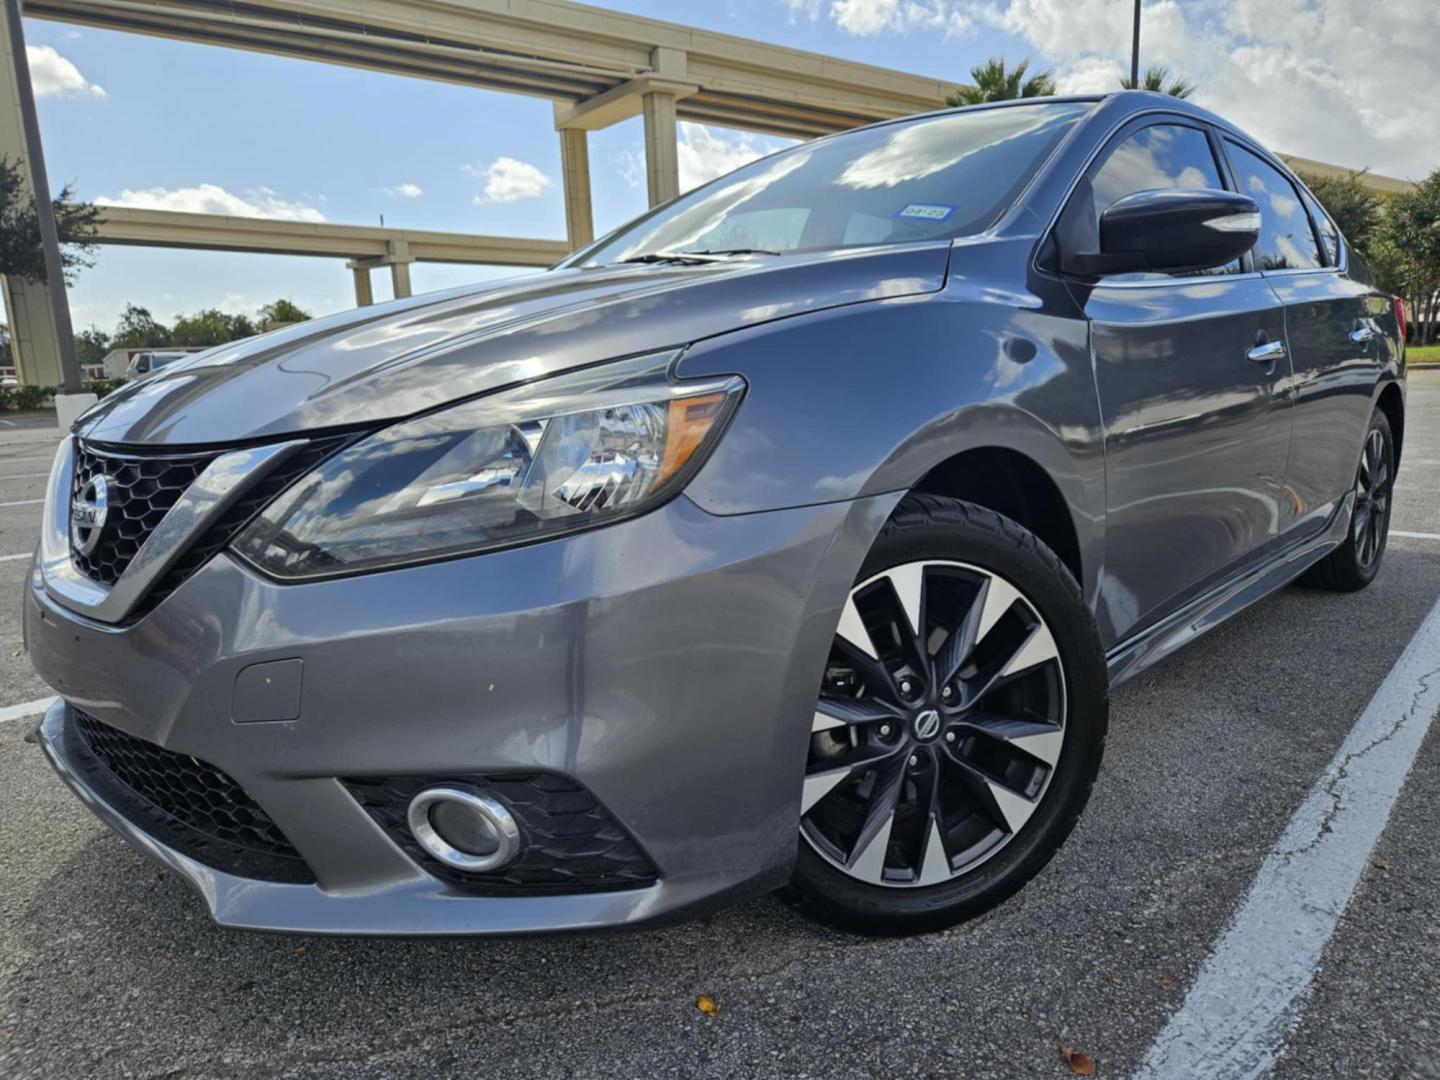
(936,177)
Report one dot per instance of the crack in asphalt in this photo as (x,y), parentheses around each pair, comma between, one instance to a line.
(1340,773)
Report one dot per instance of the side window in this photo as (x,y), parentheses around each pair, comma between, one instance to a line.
(1158,156)
(1329,235)
(1287,242)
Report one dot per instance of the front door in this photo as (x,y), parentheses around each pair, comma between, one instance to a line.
(1191,374)
(1332,327)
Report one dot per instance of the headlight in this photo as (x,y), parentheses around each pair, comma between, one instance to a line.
(551,457)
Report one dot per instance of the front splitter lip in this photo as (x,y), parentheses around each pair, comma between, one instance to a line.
(419,906)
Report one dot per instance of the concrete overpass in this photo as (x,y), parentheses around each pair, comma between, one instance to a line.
(598,67)
(365,247)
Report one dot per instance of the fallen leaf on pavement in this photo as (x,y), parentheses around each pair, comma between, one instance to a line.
(1380,864)
(1080,1064)
(706,1004)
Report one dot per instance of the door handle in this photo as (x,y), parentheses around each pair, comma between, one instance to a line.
(1361,335)
(1267,352)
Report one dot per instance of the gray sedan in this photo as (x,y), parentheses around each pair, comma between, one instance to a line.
(790,536)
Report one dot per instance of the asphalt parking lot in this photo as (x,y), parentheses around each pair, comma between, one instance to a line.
(109,967)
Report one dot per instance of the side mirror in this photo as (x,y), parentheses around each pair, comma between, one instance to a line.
(1170,230)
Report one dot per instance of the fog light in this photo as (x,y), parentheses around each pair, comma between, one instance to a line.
(464,829)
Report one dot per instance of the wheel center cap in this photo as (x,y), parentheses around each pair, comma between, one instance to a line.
(926,725)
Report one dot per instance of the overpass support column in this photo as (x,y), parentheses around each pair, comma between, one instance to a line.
(364,295)
(575,178)
(399,260)
(662,159)
(34,344)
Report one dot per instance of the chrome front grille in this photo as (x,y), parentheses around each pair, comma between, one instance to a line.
(140,490)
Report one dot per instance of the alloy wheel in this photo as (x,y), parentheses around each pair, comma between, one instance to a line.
(1372,499)
(938,728)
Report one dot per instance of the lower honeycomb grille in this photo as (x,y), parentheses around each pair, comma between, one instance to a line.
(571,843)
(187,803)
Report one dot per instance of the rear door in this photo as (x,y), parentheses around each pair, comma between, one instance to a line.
(1336,345)
(1191,374)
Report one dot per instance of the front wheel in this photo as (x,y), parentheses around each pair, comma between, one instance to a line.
(1354,564)
(958,729)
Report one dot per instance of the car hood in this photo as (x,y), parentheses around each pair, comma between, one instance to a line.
(382,363)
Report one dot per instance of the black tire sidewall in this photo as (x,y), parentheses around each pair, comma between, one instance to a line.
(950,530)
(1366,574)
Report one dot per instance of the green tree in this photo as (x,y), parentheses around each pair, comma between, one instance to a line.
(20,252)
(209,327)
(1407,249)
(281,313)
(1158,80)
(138,329)
(994,82)
(91,345)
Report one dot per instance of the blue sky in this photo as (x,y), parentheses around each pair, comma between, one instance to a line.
(146,121)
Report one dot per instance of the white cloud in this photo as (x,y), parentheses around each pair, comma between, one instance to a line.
(212,199)
(1319,78)
(509,180)
(810,9)
(703,154)
(865,18)
(405,190)
(52,75)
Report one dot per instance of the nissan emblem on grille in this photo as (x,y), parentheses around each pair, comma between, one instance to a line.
(88,511)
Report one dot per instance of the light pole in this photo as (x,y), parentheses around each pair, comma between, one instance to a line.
(1134,51)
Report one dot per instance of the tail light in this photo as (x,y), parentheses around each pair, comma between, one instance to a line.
(1400,317)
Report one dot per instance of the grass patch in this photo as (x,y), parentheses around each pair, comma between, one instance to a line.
(1423,354)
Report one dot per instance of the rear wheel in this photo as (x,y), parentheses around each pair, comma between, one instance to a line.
(1354,564)
(958,729)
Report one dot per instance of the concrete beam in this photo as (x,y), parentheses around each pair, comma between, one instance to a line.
(618,103)
(547,48)
(662,158)
(218,232)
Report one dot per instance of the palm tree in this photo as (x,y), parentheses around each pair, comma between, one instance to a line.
(1156,79)
(994,83)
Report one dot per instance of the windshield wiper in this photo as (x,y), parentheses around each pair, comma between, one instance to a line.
(716,255)
(721,253)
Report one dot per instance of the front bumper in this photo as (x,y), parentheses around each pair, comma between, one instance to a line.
(667,664)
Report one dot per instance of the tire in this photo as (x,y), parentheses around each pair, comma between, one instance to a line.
(1354,564)
(982,803)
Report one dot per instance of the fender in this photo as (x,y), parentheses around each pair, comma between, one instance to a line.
(926,378)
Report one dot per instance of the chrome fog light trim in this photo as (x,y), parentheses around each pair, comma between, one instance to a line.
(490,812)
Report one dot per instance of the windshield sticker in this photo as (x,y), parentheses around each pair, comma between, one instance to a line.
(928,211)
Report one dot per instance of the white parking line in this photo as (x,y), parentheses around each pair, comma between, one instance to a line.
(29,708)
(23,476)
(1411,535)
(1250,993)
(12,558)
(23,502)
